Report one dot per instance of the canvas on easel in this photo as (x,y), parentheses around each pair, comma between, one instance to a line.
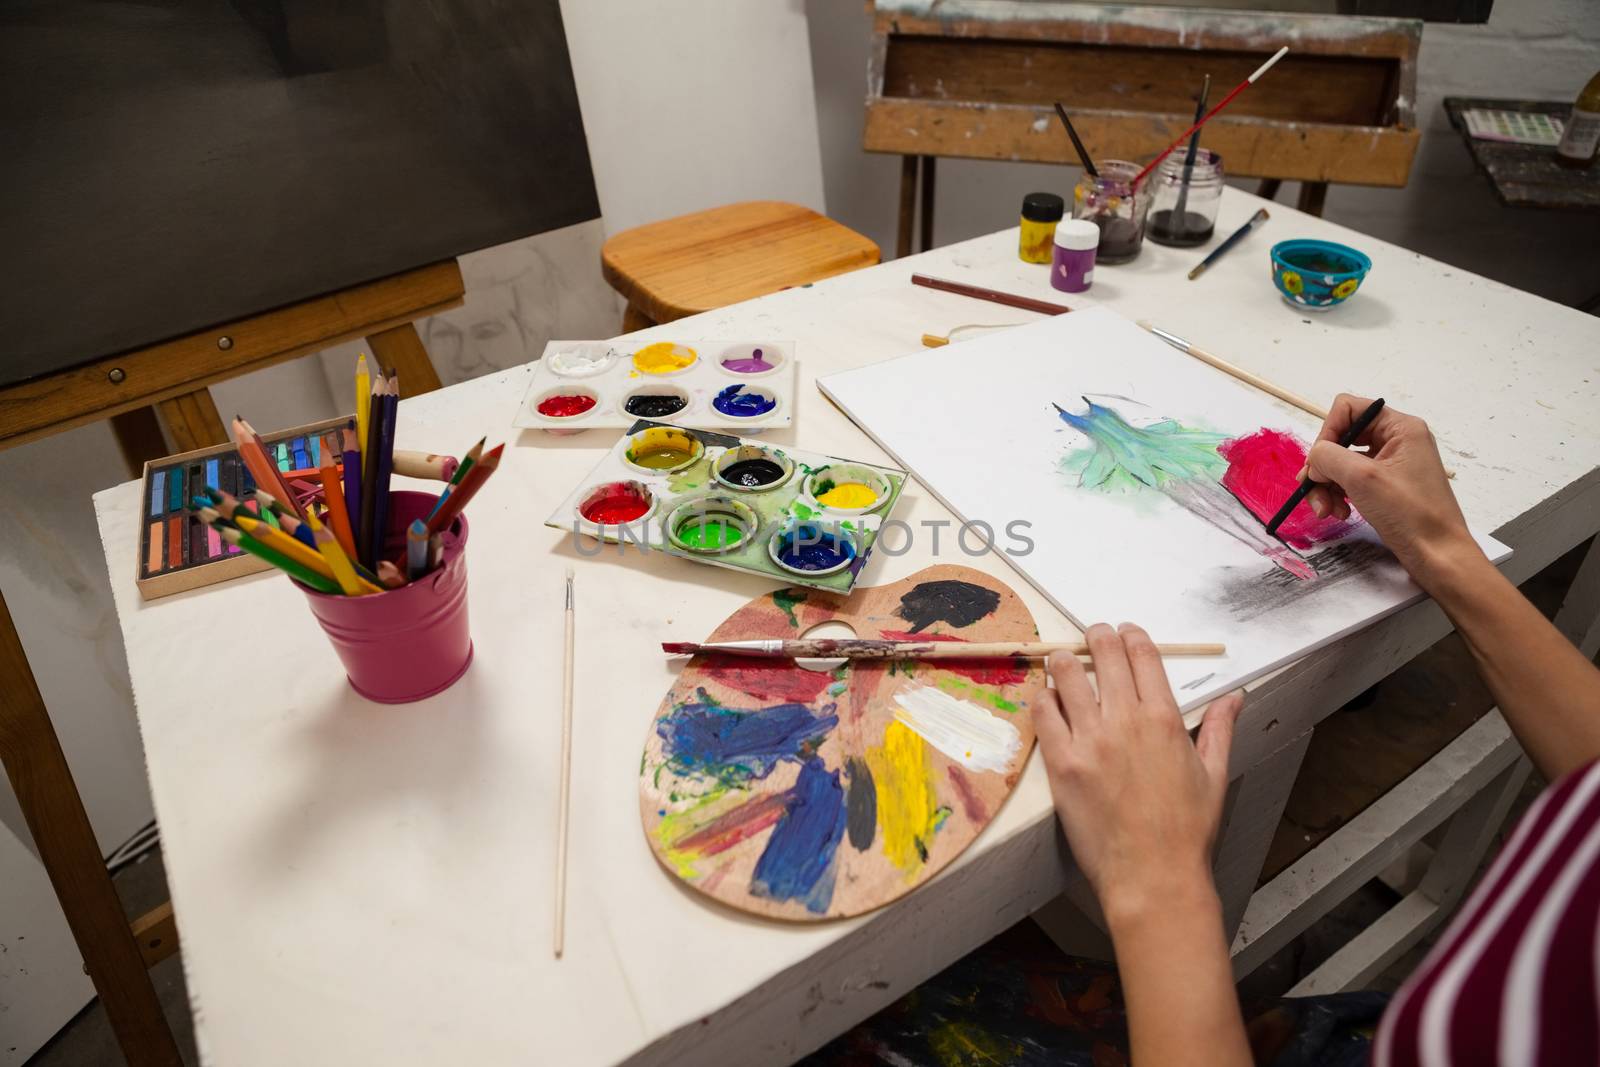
(1145,479)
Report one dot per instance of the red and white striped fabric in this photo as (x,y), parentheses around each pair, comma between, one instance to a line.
(1513,979)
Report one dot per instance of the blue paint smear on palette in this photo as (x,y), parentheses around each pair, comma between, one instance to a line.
(798,863)
(736,402)
(736,745)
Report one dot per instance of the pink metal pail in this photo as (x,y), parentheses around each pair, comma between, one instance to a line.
(408,643)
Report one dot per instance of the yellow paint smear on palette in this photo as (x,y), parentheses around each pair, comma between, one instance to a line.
(908,808)
(848,495)
(664,357)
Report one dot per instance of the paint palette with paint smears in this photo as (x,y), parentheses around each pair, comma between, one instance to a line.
(747,386)
(806,795)
(800,517)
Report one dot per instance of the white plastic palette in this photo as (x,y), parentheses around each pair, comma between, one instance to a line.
(747,386)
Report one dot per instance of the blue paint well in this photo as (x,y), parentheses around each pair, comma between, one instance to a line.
(798,863)
(735,745)
(736,402)
(810,548)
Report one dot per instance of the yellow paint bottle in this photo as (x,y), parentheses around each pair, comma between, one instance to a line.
(1040,213)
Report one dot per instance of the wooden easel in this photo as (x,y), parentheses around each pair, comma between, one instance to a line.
(981,85)
(172,378)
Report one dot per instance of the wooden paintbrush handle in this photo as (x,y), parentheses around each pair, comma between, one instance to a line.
(820,648)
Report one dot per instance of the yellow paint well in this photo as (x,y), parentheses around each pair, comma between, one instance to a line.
(663,357)
(908,808)
(848,495)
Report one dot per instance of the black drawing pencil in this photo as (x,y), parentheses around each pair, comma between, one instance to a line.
(1346,439)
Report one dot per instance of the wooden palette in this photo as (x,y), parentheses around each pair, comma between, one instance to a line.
(807,795)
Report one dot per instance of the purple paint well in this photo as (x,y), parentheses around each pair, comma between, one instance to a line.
(754,363)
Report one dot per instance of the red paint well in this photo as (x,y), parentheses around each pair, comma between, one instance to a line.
(781,680)
(982,671)
(1261,475)
(566,405)
(614,504)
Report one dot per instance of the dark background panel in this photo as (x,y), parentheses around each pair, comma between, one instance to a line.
(166,165)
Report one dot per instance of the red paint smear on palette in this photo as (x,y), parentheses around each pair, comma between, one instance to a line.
(782,680)
(740,824)
(982,671)
(611,505)
(566,405)
(1261,476)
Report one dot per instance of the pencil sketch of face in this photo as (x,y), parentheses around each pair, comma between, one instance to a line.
(482,336)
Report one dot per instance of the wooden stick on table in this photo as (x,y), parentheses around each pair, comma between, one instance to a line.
(994,296)
(823,648)
(566,777)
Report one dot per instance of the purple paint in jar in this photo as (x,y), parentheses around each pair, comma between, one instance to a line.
(1072,269)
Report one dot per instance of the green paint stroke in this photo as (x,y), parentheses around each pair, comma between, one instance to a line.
(1122,456)
(988,696)
(786,599)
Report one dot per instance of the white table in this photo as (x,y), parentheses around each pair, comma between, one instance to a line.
(356,883)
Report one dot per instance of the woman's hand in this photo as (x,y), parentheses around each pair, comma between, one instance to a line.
(1139,803)
(1399,485)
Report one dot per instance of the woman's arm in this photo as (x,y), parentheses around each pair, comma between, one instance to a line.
(1549,694)
(1140,805)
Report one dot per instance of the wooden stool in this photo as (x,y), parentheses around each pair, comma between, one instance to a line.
(710,259)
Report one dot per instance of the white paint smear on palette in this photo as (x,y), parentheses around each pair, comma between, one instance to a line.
(960,729)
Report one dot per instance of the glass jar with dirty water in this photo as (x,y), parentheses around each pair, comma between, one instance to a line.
(1183,209)
(1111,202)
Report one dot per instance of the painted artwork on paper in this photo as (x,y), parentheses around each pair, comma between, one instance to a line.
(1143,480)
(811,794)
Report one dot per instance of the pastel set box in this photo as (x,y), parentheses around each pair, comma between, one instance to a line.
(582,385)
(800,518)
(176,550)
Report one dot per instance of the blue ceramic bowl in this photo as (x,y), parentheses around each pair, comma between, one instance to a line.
(1317,275)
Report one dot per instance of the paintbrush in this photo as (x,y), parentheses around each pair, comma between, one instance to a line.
(1238,372)
(566,772)
(978,292)
(1346,439)
(1234,238)
(856,648)
(1208,116)
(1083,153)
(1180,227)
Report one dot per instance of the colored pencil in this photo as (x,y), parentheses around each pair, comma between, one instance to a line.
(288,522)
(566,772)
(283,544)
(1346,439)
(1238,372)
(352,482)
(338,515)
(435,551)
(425,465)
(350,583)
(363,403)
(1234,238)
(416,550)
(275,483)
(295,570)
(254,456)
(473,455)
(463,493)
(1083,153)
(1208,116)
(369,478)
(380,510)
(978,292)
(862,649)
(389,575)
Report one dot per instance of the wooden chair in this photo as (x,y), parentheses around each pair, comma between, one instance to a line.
(710,259)
(172,376)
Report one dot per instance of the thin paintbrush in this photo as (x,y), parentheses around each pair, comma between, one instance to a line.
(566,773)
(856,648)
(1234,238)
(1346,439)
(1238,372)
(1083,153)
(995,296)
(1179,226)
(1208,116)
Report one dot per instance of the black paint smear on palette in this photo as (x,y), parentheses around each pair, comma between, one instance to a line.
(861,805)
(1247,595)
(957,603)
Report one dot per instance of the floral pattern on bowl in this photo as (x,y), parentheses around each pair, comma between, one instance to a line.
(1317,275)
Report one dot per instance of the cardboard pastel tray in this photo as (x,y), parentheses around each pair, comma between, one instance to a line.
(797,517)
(581,385)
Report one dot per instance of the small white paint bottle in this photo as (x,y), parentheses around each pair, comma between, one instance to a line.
(1072,269)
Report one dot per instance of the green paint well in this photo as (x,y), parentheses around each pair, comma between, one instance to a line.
(710,534)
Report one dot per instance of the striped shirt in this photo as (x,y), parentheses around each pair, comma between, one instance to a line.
(1513,979)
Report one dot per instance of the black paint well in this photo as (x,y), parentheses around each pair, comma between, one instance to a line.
(752,473)
(654,405)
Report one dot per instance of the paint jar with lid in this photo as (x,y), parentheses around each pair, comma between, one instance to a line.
(1040,213)
(1183,212)
(1111,202)
(1073,268)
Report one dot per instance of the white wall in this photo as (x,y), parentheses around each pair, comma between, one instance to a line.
(685,105)
(1534,49)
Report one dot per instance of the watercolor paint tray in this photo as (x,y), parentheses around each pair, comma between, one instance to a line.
(797,517)
(176,550)
(746,386)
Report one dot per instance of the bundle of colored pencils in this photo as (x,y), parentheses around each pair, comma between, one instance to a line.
(331,537)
